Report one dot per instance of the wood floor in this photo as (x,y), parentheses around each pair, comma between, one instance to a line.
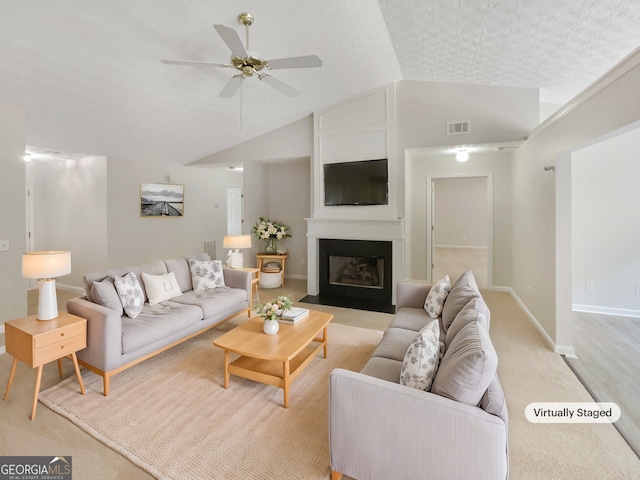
(608,364)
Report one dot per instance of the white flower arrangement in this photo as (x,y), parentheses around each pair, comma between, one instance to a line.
(265,229)
(273,309)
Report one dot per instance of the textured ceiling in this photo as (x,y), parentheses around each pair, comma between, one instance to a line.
(89,76)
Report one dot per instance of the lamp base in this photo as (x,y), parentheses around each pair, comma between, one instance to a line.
(47,301)
(235,259)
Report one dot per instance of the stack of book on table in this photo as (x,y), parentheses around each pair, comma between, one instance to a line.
(294,315)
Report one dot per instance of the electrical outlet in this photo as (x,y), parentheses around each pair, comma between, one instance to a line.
(589,285)
(4,245)
(302,261)
(637,289)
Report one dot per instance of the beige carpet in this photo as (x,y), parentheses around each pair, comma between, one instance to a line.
(171,416)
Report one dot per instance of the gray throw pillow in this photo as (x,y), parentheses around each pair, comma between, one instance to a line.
(468,366)
(474,311)
(463,290)
(434,303)
(104,293)
(421,360)
(130,293)
(206,274)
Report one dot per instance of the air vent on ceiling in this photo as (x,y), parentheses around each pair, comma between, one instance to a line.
(456,128)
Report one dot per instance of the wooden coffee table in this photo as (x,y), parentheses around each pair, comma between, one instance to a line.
(274,359)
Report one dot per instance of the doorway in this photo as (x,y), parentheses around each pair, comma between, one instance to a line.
(461,225)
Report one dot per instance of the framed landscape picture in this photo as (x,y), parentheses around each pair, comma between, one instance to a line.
(161,200)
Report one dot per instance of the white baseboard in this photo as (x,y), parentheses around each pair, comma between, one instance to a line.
(296,277)
(470,247)
(619,312)
(566,350)
(3,350)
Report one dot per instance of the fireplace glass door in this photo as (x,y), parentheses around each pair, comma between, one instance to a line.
(365,272)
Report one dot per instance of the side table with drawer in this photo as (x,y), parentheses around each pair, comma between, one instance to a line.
(37,342)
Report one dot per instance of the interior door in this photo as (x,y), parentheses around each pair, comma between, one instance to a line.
(234,210)
(460,228)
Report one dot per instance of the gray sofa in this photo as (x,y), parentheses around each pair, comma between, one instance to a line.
(116,342)
(380,429)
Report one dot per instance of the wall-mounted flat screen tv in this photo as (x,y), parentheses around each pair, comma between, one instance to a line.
(363,182)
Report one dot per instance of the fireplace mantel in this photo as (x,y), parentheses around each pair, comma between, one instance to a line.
(343,229)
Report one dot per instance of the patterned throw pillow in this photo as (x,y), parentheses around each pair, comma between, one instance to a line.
(206,274)
(130,293)
(434,303)
(421,360)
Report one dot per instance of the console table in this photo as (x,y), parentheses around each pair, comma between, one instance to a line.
(261,257)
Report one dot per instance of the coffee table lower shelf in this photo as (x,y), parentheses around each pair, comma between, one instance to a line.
(273,372)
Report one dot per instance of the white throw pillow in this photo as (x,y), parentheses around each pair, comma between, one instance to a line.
(434,303)
(206,274)
(161,287)
(130,293)
(421,360)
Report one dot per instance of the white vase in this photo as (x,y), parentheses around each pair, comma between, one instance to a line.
(270,327)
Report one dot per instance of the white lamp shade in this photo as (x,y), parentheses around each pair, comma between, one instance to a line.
(237,241)
(46,264)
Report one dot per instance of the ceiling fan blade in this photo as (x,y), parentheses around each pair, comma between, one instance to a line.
(232,39)
(231,87)
(194,63)
(280,85)
(307,61)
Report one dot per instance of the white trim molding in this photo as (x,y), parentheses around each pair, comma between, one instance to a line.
(618,312)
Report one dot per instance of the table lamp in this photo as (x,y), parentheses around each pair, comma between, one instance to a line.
(45,266)
(236,242)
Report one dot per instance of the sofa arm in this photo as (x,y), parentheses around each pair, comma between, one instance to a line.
(382,430)
(104,334)
(411,294)
(238,279)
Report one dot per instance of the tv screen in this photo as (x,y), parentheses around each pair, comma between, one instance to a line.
(356,183)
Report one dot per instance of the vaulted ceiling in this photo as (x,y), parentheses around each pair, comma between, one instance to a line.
(88,72)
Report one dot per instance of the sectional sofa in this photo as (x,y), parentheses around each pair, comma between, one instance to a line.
(136,312)
(451,426)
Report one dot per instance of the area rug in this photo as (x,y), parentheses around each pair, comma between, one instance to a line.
(172,417)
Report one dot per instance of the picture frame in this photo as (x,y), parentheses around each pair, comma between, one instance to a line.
(161,200)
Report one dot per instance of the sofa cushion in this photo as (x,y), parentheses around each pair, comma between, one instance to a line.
(493,400)
(410,319)
(468,366)
(215,301)
(394,344)
(104,293)
(421,360)
(155,268)
(180,268)
(474,311)
(383,368)
(463,290)
(206,274)
(156,322)
(130,293)
(434,302)
(161,288)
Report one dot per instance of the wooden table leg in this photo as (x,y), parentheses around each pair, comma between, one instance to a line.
(14,364)
(35,394)
(226,369)
(60,367)
(287,381)
(77,367)
(325,338)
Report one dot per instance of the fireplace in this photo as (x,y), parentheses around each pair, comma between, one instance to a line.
(355,274)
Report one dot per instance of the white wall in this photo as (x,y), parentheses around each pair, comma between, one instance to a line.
(608,105)
(13,288)
(70,212)
(606,225)
(133,239)
(496,164)
(461,212)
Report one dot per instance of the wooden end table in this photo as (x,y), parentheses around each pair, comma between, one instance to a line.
(37,342)
(261,257)
(274,359)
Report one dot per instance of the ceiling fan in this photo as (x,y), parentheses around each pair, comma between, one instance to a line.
(249,63)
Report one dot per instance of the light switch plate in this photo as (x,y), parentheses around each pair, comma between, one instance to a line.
(4,245)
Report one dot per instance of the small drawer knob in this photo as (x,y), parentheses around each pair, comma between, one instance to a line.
(62,334)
